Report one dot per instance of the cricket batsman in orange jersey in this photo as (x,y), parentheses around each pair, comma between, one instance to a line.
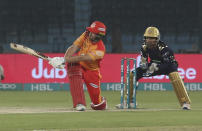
(83,58)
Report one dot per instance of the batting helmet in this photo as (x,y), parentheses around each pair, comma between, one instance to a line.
(152,32)
(97,27)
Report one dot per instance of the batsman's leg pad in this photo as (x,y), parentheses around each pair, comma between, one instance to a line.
(76,84)
(131,87)
(179,88)
(100,106)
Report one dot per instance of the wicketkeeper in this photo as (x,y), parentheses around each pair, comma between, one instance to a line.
(1,73)
(162,62)
(83,58)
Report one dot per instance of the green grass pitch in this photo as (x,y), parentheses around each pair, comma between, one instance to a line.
(52,111)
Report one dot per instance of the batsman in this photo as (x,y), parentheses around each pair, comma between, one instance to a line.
(162,62)
(83,59)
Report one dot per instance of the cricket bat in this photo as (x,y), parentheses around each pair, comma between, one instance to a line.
(27,50)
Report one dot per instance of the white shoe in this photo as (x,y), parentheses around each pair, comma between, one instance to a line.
(80,107)
(118,106)
(132,105)
(186,106)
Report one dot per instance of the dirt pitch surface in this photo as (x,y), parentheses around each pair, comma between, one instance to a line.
(28,110)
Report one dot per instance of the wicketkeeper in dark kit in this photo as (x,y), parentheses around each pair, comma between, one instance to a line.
(162,62)
(83,58)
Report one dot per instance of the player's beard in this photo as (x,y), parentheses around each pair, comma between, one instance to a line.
(151,45)
(95,39)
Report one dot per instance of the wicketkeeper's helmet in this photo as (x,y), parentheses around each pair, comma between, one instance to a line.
(97,27)
(152,32)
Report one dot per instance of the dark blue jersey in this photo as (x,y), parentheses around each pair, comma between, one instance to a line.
(160,54)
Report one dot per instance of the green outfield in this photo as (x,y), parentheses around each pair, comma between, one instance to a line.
(52,111)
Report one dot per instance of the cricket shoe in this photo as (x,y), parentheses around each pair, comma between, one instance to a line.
(100,106)
(118,106)
(80,107)
(186,106)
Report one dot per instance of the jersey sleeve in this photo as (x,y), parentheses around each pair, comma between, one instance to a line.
(143,51)
(167,55)
(80,40)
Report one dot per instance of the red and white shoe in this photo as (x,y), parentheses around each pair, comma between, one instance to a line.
(100,106)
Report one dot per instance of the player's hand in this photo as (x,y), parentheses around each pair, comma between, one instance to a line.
(57,62)
(144,65)
(152,68)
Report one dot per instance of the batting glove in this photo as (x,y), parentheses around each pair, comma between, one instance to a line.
(57,62)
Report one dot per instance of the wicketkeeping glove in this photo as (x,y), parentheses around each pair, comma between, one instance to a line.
(144,65)
(152,68)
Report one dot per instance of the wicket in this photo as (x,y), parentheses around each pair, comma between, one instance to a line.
(125,83)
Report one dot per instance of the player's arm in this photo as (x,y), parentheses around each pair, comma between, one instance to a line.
(143,52)
(144,57)
(74,59)
(78,43)
(71,51)
(69,58)
(168,55)
(59,62)
(91,56)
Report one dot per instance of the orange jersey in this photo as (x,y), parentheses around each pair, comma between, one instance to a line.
(95,50)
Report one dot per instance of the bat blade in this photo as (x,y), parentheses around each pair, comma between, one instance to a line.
(27,50)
